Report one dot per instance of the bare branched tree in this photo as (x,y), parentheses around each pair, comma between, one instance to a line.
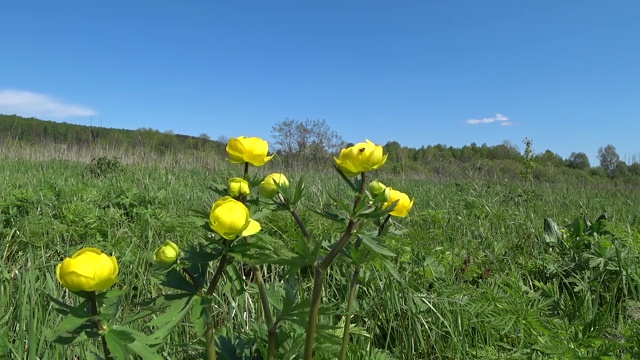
(307,143)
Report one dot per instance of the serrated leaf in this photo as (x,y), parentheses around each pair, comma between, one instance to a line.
(124,342)
(69,324)
(299,192)
(375,246)
(118,348)
(200,314)
(392,269)
(330,215)
(172,316)
(173,279)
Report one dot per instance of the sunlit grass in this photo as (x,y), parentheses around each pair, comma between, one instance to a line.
(475,277)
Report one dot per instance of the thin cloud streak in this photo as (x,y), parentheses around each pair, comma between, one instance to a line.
(27,103)
(501,119)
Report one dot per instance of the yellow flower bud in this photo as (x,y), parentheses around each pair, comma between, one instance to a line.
(229,218)
(166,254)
(376,187)
(403,205)
(361,157)
(238,187)
(248,149)
(379,191)
(89,269)
(268,187)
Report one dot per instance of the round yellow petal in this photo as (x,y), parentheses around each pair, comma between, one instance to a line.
(248,149)
(89,269)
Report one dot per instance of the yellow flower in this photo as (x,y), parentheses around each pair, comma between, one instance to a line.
(238,187)
(403,205)
(229,218)
(268,187)
(248,149)
(89,269)
(360,158)
(166,254)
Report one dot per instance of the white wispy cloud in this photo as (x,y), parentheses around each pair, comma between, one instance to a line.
(501,119)
(27,103)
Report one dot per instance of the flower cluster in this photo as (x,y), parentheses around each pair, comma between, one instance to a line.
(90,270)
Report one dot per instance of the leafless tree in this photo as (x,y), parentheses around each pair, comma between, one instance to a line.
(307,143)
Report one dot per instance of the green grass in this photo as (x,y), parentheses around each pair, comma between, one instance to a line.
(475,277)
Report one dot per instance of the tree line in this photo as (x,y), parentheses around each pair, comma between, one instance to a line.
(312,144)
(36,131)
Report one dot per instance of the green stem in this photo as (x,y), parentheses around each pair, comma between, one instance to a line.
(271,334)
(262,289)
(193,279)
(94,313)
(273,331)
(218,274)
(347,321)
(303,229)
(296,217)
(320,268)
(245,176)
(210,344)
(353,287)
(314,309)
(266,309)
(264,300)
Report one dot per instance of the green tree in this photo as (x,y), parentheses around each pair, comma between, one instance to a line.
(622,170)
(609,159)
(578,160)
(527,160)
(550,158)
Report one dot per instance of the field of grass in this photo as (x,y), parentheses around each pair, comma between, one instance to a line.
(478,273)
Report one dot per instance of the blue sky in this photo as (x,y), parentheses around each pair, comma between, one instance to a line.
(564,73)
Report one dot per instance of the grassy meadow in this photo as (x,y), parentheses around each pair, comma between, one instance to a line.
(478,272)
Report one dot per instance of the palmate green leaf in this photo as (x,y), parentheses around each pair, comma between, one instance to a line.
(259,214)
(344,205)
(73,338)
(244,251)
(155,306)
(331,215)
(219,189)
(375,246)
(175,280)
(172,316)
(299,192)
(123,343)
(598,227)
(80,310)
(69,324)
(375,212)
(200,313)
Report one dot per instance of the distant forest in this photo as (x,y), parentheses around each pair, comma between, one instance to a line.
(35,131)
(307,145)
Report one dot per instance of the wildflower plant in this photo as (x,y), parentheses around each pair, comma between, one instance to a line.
(229,259)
